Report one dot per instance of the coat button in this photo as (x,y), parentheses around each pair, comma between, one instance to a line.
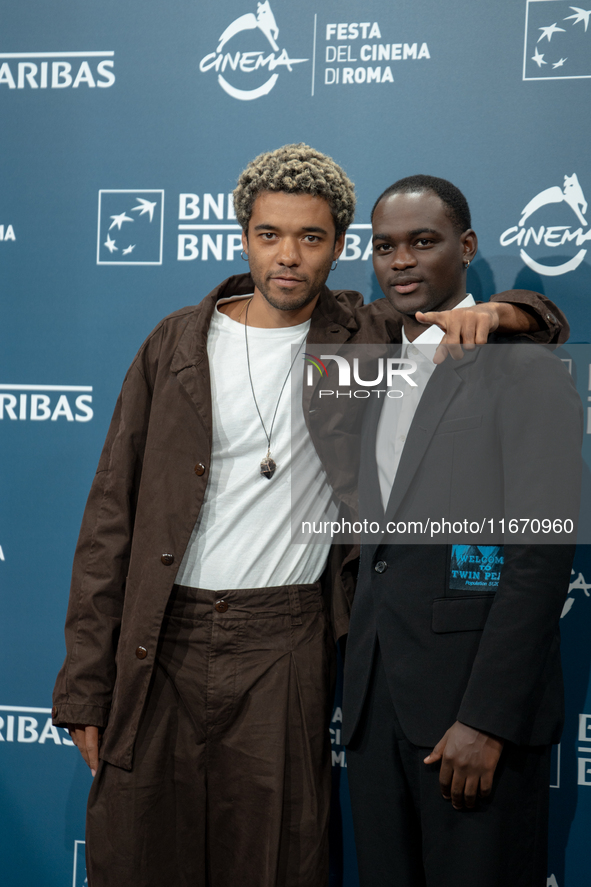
(199,469)
(221,606)
(54,712)
(381,567)
(167,559)
(141,652)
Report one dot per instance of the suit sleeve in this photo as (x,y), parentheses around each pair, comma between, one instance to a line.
(84,686)
(518,657)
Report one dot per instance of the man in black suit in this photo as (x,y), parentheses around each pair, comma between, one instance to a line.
(453,687)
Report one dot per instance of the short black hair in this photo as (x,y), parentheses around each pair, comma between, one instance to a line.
(456,204)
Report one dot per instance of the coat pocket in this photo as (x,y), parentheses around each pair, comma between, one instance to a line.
(464,423)
(461,613)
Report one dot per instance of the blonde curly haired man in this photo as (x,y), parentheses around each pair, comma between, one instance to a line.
(296,169)
(200,644)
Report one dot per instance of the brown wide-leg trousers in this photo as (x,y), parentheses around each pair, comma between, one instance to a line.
(230,785)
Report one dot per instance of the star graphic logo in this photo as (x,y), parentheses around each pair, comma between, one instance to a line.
(581,15)
(110,244)
(562,30)
(118,220)
(130,227)
(547,32)
(145,206)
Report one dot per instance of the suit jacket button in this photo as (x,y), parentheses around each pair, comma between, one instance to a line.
(221,606)
(141,652)
(199,469)
(381,567)
(167,559)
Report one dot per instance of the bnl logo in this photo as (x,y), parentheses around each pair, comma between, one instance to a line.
(557,42)
(79,879)
(130,227)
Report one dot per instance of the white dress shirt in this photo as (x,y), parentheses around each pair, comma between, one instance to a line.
(398,412)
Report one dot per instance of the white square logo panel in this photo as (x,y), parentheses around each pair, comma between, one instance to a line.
(130,227)
(557,42)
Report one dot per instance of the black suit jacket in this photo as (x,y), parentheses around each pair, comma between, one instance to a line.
(489,658)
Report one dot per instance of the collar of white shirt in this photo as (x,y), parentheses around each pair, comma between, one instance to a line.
(434,334)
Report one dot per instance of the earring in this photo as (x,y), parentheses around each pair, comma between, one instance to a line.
(335,263)
(467,264)
(244,256)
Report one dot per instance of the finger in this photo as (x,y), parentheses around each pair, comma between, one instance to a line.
(437,752)
(433,757)
(471,792)
(431,317)
(81,743)
(486,784)
(445,779)
(92,748)
(468,331)
(465,327)
(452,339)
(457,791)
(455,351)
(441,354)
(484,327)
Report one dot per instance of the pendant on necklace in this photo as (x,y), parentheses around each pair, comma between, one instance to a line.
(268,466)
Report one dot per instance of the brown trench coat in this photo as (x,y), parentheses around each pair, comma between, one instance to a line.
(146,497)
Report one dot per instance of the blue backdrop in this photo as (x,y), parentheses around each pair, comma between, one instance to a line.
(147,111)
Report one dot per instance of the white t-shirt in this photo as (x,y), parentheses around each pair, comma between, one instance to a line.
(242,536)
(397,413)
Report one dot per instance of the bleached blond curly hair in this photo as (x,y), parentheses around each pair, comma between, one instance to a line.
(296,169)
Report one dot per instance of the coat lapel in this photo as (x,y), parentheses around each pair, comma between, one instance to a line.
(190,361)
(439,392)
(331,324)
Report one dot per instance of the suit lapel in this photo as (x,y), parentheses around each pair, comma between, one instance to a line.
(331,324)
(440,390)
(370,494)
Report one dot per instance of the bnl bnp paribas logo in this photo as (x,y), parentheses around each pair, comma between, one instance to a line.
(248,67)
(538,235)
(557,42)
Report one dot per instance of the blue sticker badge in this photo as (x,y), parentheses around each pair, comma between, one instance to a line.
(475,567)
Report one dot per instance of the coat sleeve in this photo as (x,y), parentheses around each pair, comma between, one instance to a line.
(84,686)
(517,665)
(554,327)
